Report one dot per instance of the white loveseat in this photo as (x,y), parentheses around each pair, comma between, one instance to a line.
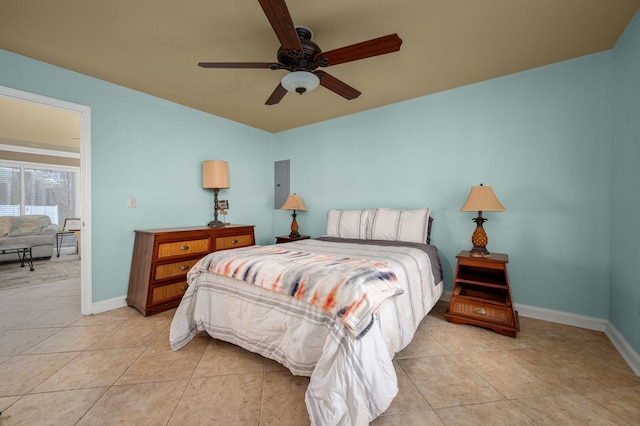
(35,231)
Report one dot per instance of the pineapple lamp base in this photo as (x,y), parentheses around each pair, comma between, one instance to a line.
(479,238)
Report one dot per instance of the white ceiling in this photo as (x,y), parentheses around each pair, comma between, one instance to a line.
(154,45)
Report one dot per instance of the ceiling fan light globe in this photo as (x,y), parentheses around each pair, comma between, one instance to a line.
(300,81)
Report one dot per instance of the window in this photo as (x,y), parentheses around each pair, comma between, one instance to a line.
(29,188)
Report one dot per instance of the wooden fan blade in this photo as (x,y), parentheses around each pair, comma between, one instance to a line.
(268,65)
(365,49)
(337,86)
(280,20)
(277,95)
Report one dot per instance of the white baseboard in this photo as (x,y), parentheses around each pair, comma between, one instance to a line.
(624,348)
(108,305)
(621,344)
(590,323)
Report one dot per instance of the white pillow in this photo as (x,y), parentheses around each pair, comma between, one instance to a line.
(348,223)
(399,225)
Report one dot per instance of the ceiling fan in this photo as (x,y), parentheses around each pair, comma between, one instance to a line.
(302,57)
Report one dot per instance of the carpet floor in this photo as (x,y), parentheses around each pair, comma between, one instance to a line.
(45,271)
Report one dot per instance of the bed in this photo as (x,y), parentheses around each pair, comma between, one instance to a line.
(349,362)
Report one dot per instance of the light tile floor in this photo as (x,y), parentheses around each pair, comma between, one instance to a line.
(60,368)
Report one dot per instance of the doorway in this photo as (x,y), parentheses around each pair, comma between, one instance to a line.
(84,113)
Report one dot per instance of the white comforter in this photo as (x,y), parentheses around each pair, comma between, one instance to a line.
(352,381)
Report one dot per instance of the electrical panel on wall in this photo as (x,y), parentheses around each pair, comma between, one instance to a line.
(281,182)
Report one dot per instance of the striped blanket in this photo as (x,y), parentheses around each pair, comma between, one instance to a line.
(351,289)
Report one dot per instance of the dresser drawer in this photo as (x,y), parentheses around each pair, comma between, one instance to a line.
(173,270)
(234,241)
(181,248)
(165,293)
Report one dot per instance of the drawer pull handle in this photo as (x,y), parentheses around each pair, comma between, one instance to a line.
(184,267)
(234,241)
(184,247)
(479,311)
(184,287)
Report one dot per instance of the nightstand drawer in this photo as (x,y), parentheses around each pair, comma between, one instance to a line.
(483,311)
(180,248)
(234,241)
(172,270)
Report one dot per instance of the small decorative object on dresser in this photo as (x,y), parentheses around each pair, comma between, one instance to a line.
(481,294)
(162,258)
(223,206)
(481,198)
(288,239)
(294,202)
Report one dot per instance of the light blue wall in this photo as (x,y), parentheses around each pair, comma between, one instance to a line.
(151,149)
(541,138)
(625,253)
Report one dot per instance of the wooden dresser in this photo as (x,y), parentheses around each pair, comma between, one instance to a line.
(162,258)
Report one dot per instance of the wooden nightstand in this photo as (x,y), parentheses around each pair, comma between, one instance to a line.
(481,294)
(288,239)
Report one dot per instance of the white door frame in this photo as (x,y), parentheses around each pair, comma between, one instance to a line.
(85,181)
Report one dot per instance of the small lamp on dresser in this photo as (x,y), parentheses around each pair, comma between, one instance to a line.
(215,175)
(294,202)
(481,198)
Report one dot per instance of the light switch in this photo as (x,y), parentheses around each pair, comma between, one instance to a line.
(132,203)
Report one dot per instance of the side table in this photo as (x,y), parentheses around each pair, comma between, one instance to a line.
(481,294)
(59,236)
(22,250)
(288,239)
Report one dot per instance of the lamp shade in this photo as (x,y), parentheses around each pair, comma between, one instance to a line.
(300,81)
(215,174)
(294,202)
(482,199)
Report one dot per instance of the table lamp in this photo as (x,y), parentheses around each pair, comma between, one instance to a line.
(481,198)
(294,202)
(215,175)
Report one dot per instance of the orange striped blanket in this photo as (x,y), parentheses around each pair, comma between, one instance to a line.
(352,289)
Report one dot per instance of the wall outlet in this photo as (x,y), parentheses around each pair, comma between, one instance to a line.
(132,203)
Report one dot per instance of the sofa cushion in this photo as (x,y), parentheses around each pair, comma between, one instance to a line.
(29,225)
(5,226)
(29,240)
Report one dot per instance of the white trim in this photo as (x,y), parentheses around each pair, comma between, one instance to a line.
(46,166)
(624,348)
(85,180)
(108,305)
(39,151)
(590,323)
(85,213)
